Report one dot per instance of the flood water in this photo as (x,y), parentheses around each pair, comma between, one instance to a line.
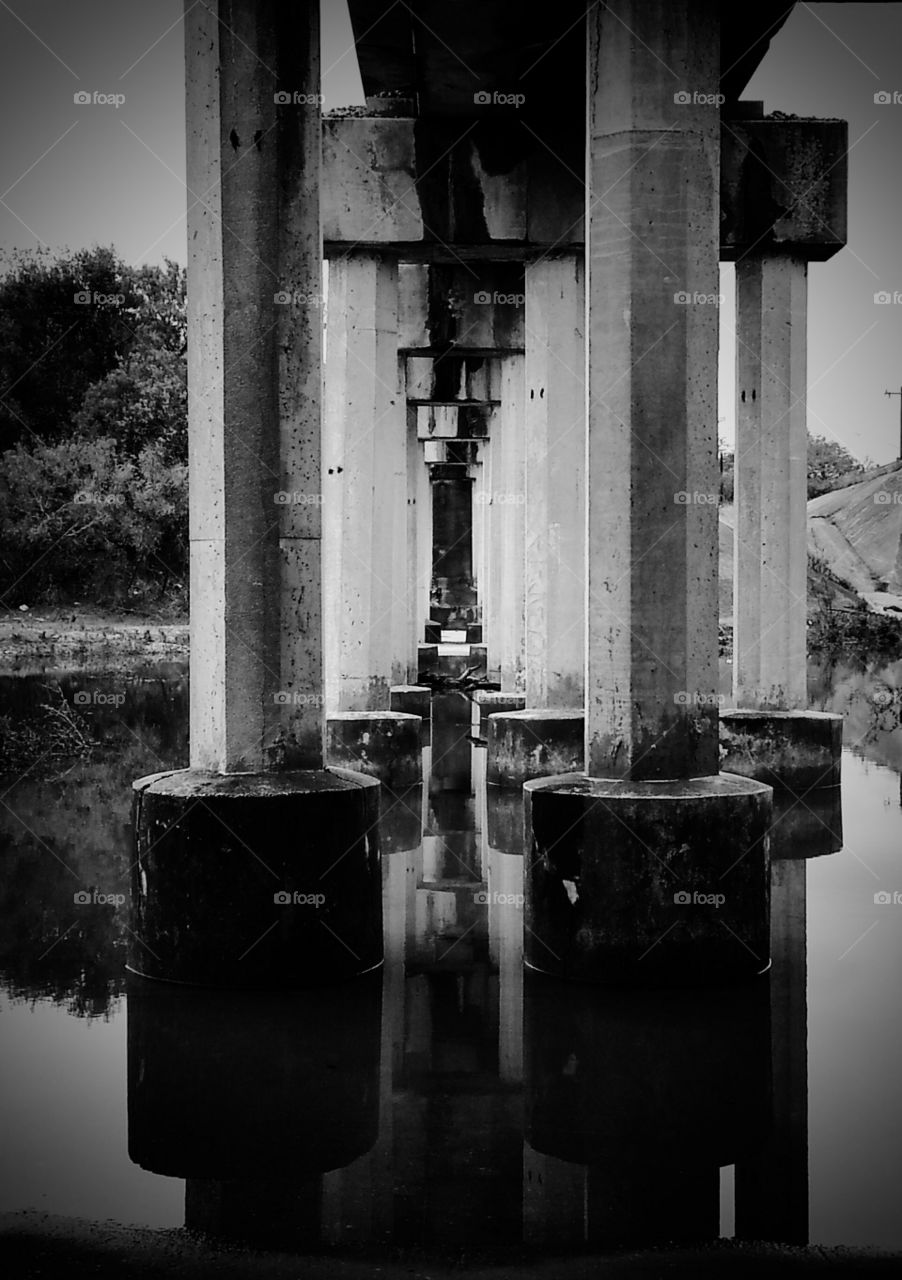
(451,1101)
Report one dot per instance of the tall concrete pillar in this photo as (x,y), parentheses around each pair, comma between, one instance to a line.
(225,892)
(505,530)
(650,827)
(555,483)
(771,735)
(365,489)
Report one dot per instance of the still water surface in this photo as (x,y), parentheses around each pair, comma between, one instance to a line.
(453,1101)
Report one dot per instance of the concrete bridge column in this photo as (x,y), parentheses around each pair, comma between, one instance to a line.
(365,530)
(547,736)
(629,859)
(234,881)
(770,734)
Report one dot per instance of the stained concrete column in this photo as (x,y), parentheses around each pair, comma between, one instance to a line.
(504,505)
(651,827)
(771,735)
(771,556)
(365,489)
(653,245)
(254,368)
(256,866)
(555,483)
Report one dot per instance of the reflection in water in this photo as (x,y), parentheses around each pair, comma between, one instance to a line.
(450,1100)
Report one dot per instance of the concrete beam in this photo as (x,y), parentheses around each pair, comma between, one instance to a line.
(782,182)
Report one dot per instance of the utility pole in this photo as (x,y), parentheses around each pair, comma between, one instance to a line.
(899,394)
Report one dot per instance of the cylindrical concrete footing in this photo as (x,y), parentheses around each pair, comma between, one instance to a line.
(412,699)
(249,880)
(489,702)
(384,744)
(534,744)
(652,883)
(791,750)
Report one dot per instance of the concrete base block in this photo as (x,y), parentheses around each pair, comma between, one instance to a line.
(412,699)
(491,703)
(427,661)
(534,744)
(250,880)
(792,750)
(382,744)
(810,827)
(648,883)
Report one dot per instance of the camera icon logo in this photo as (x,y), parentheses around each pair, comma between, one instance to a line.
(81,698)
(883,298)
(481,898)
(282,499)
(682,898)
(881,898)
(281,899)
(881,97)
(281,99)
(81,898)
(482,99)
(482,298)
(282,298)
(81,98)
(682,98)
(681,498)
(682,298)
(882,499)
(83,298)
(281,699)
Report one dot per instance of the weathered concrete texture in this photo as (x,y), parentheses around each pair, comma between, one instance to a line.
(412,699)
(633,1079)
(488,702)
(648,883)
(254,386)
(555,483)
(806,827)
(770,516)
(204,1100)
(503,510)
(790,750)
(652,480)
(427,661)
(533,744)
(384,744)
(783,187)
(368,607)
(249,880)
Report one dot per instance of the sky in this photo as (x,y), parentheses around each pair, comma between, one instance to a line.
(100,173)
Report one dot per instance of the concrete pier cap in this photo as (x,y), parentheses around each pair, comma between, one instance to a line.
(256,880)
(381,744)
(648,883)
(533,743)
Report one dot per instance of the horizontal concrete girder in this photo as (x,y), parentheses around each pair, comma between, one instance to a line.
(783,184)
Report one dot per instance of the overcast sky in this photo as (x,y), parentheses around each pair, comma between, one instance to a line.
(100,174)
